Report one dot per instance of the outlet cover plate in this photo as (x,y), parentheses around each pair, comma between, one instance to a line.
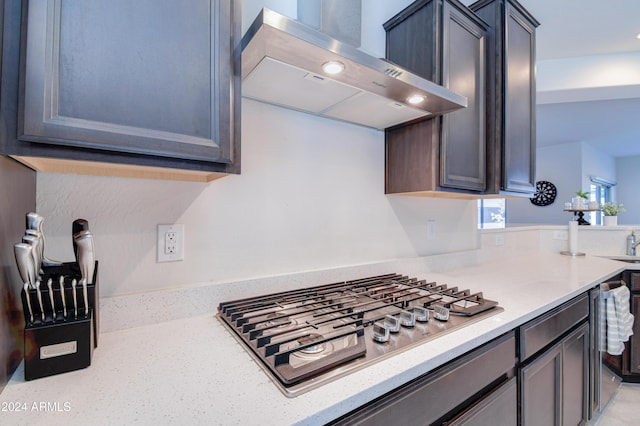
(170,243)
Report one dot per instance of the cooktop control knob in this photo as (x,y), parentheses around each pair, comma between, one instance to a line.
(392,323)
(421,313)
(407,319)
(440,313)
(380,332)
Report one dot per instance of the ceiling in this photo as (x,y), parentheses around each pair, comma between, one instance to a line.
(572,28)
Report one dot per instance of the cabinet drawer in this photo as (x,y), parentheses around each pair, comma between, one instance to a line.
(430,397)
(542,331)
(500,407)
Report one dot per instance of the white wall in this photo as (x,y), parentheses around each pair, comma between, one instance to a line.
(569,167)
(628,192)
(560,165)
(310,196)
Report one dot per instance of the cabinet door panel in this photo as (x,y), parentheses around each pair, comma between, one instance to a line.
(149,76)
(519,125)
(634,340)
(541,384)
(575,358)
(463,139)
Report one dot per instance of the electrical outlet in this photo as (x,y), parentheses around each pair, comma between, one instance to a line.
(170,243)
(499,240)
(560,235)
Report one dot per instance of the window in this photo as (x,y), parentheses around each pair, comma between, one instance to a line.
(600,191)
(491,213)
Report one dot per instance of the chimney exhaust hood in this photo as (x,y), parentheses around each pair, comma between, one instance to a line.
(282,64)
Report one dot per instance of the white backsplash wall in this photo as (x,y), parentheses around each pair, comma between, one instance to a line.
(310,196)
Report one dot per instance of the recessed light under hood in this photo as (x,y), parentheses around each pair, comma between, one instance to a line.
(282,64)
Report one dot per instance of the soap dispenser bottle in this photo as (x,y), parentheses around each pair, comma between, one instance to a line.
(631,244)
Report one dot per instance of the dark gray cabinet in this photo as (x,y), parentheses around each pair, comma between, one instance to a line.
(442,41)
(478,384)
(554,387)
(145,83)
(541,373)
(540,384)
(634,340)
(512,106)
(497,408)
(555,352)
(633,347)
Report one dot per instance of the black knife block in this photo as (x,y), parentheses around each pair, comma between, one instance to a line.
(54,348)
(60,343)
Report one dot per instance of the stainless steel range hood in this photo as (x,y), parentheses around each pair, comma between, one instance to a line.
(282,64)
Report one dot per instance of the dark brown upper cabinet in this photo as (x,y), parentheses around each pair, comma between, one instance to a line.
(146,88)
(488,148)
(445,42)
(512,99)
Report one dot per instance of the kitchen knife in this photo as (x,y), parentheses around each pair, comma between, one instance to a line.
(79,225)
(85,296)
(64,299)
(21,250)
(26,292)
(74,284)
(53,303)
(24,259)
(39,293)
(86,256)
(34,222)
(35,253)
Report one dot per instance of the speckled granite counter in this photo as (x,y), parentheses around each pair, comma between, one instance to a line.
(192,371)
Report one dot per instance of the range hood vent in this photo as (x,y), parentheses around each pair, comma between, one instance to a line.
(282,64)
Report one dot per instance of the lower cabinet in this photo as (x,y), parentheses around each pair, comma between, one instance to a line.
(497,408)
(633,279)
(634,340)
(541,373)
(477,388)
(554,385)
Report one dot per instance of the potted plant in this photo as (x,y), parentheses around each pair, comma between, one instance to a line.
(578,202)
(611,212)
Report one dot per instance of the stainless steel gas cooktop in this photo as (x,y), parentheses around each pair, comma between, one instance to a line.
(305,338)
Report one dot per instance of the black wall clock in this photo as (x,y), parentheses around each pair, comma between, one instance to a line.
(545,193)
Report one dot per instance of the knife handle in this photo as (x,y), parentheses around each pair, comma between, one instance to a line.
(28,297)
(64,299)
(78,225)
(85,297)
(74,284)
(39,294)
(51,299)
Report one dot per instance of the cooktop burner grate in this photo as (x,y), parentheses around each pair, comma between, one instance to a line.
(325,331)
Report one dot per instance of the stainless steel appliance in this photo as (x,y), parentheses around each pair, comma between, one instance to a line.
(284,62)
(305,338)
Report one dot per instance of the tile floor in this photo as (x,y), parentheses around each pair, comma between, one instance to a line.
(623,409)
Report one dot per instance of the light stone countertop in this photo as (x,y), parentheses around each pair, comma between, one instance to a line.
(192,371)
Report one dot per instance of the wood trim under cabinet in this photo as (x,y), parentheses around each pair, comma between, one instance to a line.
(455,195)
(51,165)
